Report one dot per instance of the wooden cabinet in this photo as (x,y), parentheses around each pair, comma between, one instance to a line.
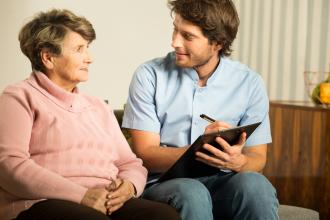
(299,159)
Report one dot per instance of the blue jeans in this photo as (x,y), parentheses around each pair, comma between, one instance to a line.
(246,195)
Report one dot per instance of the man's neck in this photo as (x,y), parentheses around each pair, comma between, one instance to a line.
(206,70)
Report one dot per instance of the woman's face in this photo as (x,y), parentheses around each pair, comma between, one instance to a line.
(71,66)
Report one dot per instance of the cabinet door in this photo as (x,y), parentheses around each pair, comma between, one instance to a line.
(298,159)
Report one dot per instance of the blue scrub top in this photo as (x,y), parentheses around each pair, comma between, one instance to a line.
(166,99)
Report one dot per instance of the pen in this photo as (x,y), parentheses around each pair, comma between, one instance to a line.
(207,118)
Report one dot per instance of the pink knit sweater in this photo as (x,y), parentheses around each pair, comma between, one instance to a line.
(55,145)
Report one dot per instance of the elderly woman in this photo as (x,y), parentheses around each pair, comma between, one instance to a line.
(62,154)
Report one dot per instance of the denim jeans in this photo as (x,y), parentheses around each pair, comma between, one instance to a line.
(246,195)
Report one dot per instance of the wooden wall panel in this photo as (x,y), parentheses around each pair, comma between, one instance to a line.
(299,157)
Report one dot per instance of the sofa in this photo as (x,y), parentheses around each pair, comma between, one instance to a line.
(285,212)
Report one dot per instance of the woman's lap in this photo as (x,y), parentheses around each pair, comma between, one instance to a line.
(65,210)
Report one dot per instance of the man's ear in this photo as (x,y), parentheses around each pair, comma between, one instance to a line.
(47,58)
(218,46)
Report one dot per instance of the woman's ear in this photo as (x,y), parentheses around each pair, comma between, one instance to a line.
(47,58)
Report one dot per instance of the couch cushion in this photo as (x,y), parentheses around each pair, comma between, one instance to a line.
(286,212)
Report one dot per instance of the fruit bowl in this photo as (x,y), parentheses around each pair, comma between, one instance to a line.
(317,86)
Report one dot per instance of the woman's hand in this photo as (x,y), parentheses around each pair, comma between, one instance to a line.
(120,191)
(96,198)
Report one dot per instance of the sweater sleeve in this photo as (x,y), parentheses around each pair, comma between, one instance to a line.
(19,174)
(130,167)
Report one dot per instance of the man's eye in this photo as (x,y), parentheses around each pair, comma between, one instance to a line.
(80,49)
(187,36)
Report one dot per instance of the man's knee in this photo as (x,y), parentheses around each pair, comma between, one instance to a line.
(179,191)
(253,184)
(256,194)
(188,196)
(192,190)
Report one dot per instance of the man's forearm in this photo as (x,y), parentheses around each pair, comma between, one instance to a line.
(159,159)
(252,162)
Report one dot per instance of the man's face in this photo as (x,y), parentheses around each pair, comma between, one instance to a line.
(71,67)
(192,48)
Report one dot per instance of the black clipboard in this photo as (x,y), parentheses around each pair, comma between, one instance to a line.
(187,166)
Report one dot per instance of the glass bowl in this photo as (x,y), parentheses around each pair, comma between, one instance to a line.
(313,80)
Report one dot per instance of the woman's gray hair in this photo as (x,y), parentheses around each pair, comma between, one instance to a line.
(47,30)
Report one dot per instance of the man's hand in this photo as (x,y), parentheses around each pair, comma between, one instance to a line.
(216,126)
(120,191)
(96,198)
(230,158)
(237,157)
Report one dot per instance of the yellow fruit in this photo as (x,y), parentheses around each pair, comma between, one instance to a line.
(325,93)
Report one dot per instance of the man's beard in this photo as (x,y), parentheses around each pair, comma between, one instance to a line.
(200,63)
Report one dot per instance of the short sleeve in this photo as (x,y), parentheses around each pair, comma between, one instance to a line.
(257,110)
(140,110)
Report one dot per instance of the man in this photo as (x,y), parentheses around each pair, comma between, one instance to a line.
(167,96)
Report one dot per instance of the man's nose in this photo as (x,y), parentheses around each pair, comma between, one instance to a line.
(176,40)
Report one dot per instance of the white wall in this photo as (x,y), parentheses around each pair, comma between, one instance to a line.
(127,33)
(280,39)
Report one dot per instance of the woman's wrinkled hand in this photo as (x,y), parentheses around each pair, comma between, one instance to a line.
(120,191)
(96,198)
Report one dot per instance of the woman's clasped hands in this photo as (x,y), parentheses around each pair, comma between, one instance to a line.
(109,199)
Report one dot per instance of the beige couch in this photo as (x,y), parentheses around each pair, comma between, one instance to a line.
(285,212)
